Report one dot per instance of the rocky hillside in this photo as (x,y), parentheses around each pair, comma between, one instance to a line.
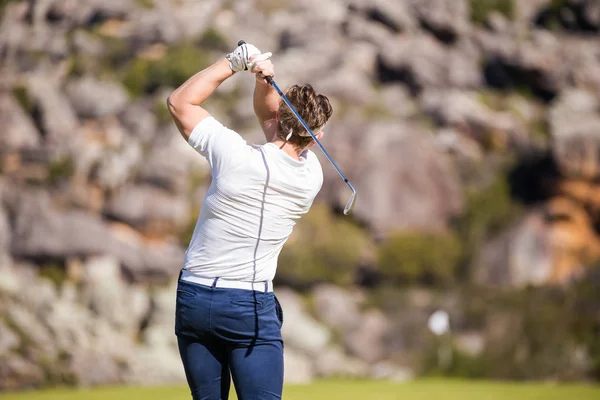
(469,128)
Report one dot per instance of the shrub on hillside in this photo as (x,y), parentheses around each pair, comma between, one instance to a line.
(481,9)
(323,248)
(418,257)
(178,64)
(487,211)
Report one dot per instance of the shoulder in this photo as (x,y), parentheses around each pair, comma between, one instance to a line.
(205,126)
(313,164)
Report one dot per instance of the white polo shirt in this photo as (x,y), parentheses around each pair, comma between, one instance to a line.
(254,200)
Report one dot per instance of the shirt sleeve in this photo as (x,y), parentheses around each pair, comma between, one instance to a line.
(223,148)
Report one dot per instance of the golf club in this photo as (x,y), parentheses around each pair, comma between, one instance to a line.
(350,203)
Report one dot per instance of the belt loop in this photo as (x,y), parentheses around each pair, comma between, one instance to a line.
(266,286)
(214,284)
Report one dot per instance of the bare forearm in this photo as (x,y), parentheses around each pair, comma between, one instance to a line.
(185,102)
(200,86)
(266,101)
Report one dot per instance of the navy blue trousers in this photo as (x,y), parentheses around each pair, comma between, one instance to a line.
(229,333)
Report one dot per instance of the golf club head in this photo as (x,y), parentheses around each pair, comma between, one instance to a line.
(351,200)
(350,204)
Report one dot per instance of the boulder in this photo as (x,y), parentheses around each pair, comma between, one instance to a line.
(148,208)
(43,231)
(421,62)
(404,181)
(105,292)
(547,245)
(392,372)
(575,127)
(139,121)
(8,340)
(337,307)
(168,161)
(160,328)
(5,231)
(17,372)
(334,363)
(93,98)
(18,130)
(9,280)
(470,343)
(446,19)
(33,330)
(94,368)
(394,15)
(155,365)
(58,120)
(367,340)
(298,367)
(300,331)
(464,112)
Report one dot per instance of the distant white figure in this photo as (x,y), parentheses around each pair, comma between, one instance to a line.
(439,324)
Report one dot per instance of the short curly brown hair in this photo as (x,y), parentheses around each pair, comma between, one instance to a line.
(314,108)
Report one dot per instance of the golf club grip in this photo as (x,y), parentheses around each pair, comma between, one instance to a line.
(269,79)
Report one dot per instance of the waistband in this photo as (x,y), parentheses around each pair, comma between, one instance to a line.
(264,286)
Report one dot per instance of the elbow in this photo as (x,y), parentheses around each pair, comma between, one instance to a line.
(172,103)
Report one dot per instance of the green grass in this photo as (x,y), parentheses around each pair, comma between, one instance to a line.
(349,390)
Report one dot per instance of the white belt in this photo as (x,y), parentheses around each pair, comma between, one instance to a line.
(264,286)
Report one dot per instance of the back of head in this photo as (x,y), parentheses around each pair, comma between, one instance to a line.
(314,108)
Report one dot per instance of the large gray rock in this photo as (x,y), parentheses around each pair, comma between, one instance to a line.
(5,231)
(161,323)
(155,365)
(148,207)
(367,341)
(421,62)
(17,372)
(404,181)
(8,340)
(18,130)
(334,363)
(575,127)
(298,367)
(447,19)
(41,231)
(38,335)
(57,117)
(140,122)
(395,15)
(300,331)
(169,160)
(338,308)
(105,292)
(93,368)
(74,14)
(521,256)
(93,98)
(10,283)
(464,112)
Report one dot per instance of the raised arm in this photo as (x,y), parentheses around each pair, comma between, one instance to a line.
(266,99)
(185,102)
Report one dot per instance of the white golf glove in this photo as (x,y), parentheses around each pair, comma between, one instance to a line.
(239,59)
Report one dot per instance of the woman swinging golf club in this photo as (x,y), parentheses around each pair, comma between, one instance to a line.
(227,318)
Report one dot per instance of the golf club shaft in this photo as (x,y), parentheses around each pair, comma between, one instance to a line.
(285,99)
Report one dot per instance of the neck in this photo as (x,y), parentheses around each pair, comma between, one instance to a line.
(288,148)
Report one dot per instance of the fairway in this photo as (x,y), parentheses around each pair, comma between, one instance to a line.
(419,390)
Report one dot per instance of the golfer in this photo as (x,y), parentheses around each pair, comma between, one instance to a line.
(227,318)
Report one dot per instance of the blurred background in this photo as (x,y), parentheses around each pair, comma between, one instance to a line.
(470,128)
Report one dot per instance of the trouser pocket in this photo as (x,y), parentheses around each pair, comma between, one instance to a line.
(278,310)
